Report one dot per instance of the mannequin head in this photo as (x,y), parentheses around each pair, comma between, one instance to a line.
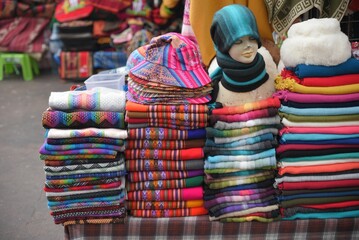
(232,23)
(244,49)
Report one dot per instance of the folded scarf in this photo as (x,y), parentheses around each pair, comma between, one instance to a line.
(234,198)
(216,133)
(325,130)
(77,156)
(165,144)
(337,80)
(74,216)
(166,122)
(119,168)
(153,133)
(319,118)
(196,211)
(86,140)
(189,108)
(262,104)
(159,205)
(289,147)
(319,168)
(288,212)
(162,175)
(288,137)
(83,182)
(182,154)
(251,115)
(184,194)
(291,85)
(84,175)
(230,183)
(245,212)
(96,99)
(252,186)
(268,162)
(324,215)
(211,151)
(55,163)
(66,147)
(76,151)
(315,162)
(320,105)
(69,168)
(165,184)
(84,204)
(102,220)
(221,140)
(274,120)
(312,178)
(212,177)
(323,200)
(87,132)
(288,123)
(83,119)
(320,111)
(241,142)
(74,193)
(351,66)
(77,201)
(286,95)
(240,207)
(133,165)
(242,156)
(154,117)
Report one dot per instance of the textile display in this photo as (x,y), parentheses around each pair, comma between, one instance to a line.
(76,65)
(239,162)
(318,144)
(281,15)
(23,34)
(166,117)
(83,155)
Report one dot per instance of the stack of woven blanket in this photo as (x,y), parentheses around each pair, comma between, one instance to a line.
(166,117)
(318,173)
(83,156)
(318,153)
(165,161)
(240,149)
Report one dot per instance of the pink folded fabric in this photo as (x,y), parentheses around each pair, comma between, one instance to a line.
(328,130)
(316,98)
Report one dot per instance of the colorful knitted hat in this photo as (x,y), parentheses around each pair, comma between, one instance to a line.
(136,56)
(231,23)
(173,60)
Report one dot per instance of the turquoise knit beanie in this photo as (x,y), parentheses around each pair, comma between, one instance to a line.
(231,23)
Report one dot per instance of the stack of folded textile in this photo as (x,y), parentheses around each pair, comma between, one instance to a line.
(83,156)
(318,174)
(164,155)
(240,151)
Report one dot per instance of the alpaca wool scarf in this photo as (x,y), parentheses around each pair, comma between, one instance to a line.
(242,77)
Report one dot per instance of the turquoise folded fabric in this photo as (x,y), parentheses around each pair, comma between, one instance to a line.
(324,215)
(319,111)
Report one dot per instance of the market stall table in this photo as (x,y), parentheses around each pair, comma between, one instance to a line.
(201,228)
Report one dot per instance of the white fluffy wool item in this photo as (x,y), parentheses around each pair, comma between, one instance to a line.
(315,42)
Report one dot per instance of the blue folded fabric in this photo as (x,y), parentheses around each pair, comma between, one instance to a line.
(319,111)
(350,66)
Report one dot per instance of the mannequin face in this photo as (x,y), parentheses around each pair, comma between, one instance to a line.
(244,49)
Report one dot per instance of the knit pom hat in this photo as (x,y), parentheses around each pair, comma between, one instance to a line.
(231,23)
